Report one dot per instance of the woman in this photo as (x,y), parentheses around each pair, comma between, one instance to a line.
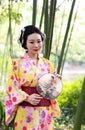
(33,112)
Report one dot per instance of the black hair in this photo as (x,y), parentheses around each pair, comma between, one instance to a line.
(27,30)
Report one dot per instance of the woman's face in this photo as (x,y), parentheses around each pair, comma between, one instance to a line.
(34,43)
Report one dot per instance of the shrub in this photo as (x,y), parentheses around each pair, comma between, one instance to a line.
(68,101)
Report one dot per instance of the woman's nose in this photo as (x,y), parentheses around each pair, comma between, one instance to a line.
(36,44)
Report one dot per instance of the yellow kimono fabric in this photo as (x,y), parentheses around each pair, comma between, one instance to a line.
(25,72)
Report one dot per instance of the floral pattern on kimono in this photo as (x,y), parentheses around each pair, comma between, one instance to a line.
(23,72)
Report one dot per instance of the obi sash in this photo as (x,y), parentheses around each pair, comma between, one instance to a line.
(30,90)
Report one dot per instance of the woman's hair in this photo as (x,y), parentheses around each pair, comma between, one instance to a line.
(26,31)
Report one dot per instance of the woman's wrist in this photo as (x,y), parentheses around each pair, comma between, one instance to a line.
(27,97)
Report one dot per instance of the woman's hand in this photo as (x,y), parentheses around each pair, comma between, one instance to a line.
(34,99)
(59,76)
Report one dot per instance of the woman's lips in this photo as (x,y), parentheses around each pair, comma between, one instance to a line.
(35,49)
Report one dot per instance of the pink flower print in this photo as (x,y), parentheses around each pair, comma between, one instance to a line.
(14,99)
(21,121)
(42,69)
(25,71)
(9,112)
(33,129)
(14,63)
(23,80)
(43,114)
(42,125)
(48,70)
(15,83)
(29,119)
(12,77)
(8,103)
(49,117)
(9,89)
(15,68)
(48,64)
(24,128)
(47,108)
(15,124)
(33,63)
(25,64)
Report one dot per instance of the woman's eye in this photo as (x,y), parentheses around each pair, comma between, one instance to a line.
(31,42)
(39,41)
(35,42)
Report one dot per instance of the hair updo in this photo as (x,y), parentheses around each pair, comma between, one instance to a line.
(26,31)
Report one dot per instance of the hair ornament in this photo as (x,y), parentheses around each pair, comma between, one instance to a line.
(43,36)
(22,31)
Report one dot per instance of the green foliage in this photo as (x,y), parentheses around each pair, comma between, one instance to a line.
(2,116)
(68,101)
(70,93)
(15,14)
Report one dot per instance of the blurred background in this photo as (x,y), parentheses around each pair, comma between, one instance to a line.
(63,23)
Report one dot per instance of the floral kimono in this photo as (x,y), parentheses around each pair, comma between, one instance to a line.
(25,73)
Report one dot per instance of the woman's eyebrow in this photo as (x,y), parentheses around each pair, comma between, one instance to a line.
(34,39)
(31,40)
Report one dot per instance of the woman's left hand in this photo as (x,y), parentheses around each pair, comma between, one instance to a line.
(59,76)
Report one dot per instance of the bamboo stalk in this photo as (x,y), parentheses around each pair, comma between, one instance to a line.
(49,24)
(69,39)
(65,37)
(42,14)
(34,12)
(46,29)
(58,40)
(80,108)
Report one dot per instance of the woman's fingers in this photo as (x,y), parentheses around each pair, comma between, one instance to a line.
(34,99)
(59,76)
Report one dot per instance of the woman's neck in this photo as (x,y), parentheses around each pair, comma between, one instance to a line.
(32,56)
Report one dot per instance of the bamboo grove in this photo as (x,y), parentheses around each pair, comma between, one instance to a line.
(47,23)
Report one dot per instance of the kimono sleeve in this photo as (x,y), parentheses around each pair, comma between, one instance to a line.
(54,102)
(14,94)
(56,108)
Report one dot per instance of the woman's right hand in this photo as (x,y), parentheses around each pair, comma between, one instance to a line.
(34,99)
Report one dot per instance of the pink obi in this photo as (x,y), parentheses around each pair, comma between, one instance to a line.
(31,90)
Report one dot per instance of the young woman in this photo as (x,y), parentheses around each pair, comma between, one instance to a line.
(33,112)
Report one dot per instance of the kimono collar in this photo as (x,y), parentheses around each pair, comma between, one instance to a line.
(28,57)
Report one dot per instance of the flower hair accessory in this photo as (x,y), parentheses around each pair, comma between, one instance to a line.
(22,31)
(43,36)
